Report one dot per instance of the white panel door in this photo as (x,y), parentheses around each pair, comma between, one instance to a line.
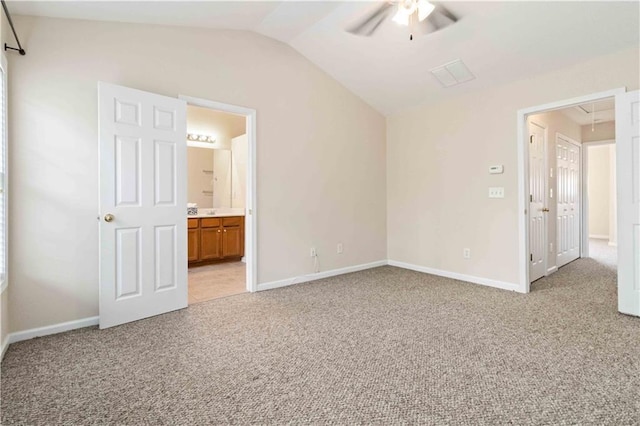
(568,171)
(628,182)
(143,216)
(537,201)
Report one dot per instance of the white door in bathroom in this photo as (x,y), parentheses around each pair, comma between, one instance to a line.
(143,233)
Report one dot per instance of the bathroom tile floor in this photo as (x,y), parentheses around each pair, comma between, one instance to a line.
(216,281)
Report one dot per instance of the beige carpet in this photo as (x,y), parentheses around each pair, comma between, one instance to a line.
(210,282)
(383,346)
(603,253)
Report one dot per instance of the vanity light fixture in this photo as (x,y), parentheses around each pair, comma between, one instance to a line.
(200,141)
(200,138)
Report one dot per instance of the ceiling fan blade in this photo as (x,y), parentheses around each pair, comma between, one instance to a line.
(370,24)
(437,20)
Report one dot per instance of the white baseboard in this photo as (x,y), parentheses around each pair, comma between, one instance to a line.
(319,275)
(51,329)
(456,276)
(5,346)
(552,270)
(87,322)
(599,237)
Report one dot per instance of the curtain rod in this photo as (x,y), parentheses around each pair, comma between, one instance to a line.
(19,49)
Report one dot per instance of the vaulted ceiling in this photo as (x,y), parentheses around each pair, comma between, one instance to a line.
(498,41)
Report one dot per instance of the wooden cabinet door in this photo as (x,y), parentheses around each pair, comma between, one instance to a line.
(232,242)
(210,242)
(193,237)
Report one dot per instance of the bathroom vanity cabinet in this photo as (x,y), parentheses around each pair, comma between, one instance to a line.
(213,239)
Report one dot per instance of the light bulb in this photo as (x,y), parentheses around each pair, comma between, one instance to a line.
(401,17)
(424,9)
(409,6)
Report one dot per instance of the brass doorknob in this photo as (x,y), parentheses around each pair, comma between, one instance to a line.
(109,217)
(545,210)
(218,231)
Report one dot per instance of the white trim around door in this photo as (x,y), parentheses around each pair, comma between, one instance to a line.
(523,173)
(251,247)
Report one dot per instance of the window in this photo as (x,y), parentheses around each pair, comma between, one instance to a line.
(3,173)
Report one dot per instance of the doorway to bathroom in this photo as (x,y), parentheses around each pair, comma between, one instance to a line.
(217,193)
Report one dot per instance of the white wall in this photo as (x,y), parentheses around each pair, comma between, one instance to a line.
(222,125)
(438,156)
(320,155)
(605,132)
(599,182)
(555,122)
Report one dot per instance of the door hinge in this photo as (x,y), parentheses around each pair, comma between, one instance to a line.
(531,257)
(530,198)
(531,139)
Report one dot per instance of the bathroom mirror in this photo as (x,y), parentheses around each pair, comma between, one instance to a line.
(209,177)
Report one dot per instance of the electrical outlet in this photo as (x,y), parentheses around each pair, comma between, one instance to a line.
(339,249)
(466,253)
(314,253)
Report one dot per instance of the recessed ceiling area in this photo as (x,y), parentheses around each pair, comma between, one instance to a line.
(498,41)
(594,112)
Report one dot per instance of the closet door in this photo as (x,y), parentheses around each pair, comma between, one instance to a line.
(568,174)
(537,201)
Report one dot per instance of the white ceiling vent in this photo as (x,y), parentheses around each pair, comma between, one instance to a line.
(452,73)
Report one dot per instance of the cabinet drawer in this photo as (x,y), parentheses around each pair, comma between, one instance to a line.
(192,223)
(210,222)
(232,221)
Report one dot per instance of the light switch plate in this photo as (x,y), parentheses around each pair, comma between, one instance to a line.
(496,192)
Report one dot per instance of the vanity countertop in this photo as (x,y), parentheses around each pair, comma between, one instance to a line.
(199,216)
(216,214)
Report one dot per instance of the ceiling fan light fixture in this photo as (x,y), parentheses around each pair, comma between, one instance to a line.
(424,9)
(401,17)
(408,8)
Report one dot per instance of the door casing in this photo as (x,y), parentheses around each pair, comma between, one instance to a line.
(524,284)
(251,247)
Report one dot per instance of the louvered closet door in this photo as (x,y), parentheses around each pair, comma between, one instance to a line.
(143,222)
(568,162)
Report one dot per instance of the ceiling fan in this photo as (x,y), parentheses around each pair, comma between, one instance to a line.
(420,16)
